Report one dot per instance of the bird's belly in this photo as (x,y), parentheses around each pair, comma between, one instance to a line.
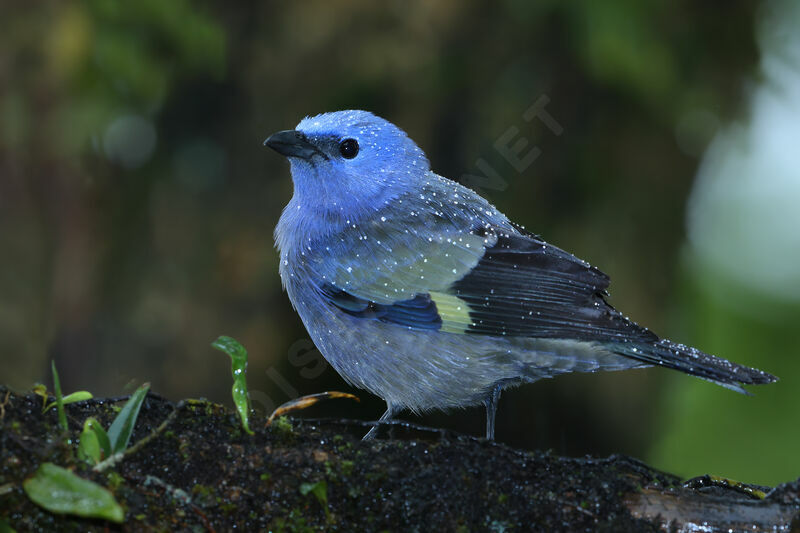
(409,368)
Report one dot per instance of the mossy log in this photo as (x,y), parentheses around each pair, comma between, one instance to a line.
(197,470)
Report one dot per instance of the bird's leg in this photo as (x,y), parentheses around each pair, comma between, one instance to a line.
(491,409)
(388,415)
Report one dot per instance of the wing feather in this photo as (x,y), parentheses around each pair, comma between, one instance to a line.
(495,281)
(523,286)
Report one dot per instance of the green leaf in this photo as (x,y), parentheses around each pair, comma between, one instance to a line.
(78,396)
(89,446)
(62,415)
(40,389)
(318,489)
(320,492)
(238,356)
(61,491)
(95,444)
(5,527)
(121,428)
(102,438)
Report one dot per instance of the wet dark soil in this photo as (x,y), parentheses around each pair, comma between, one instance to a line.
(201,472)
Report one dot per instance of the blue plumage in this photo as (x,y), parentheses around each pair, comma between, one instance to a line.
(418,312)
(420,291)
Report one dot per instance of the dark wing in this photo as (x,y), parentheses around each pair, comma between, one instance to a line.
(523,286)
(517,285)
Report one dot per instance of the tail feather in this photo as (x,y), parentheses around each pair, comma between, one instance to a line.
(692,361)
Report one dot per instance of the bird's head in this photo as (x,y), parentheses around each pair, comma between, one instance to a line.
(347,163)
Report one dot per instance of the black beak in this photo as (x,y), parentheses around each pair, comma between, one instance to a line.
(293,143)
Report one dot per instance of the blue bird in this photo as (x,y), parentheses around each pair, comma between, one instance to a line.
(420,291)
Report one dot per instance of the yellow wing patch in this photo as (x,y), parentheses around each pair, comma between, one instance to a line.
(453,311)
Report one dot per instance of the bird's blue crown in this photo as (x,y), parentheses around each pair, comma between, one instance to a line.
(358,162)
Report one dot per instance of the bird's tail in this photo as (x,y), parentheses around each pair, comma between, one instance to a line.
(692,361)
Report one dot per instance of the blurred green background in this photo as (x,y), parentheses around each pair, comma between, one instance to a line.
(137,203)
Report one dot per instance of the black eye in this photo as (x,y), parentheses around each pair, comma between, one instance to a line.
(348,148)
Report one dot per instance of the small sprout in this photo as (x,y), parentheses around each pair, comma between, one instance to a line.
(62,415)
(307,401)
(61,491)
(320,492)
(238,356)
(78,396)
(119,434)
(40,390)
(94,443)
(89,445)
(102,449)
